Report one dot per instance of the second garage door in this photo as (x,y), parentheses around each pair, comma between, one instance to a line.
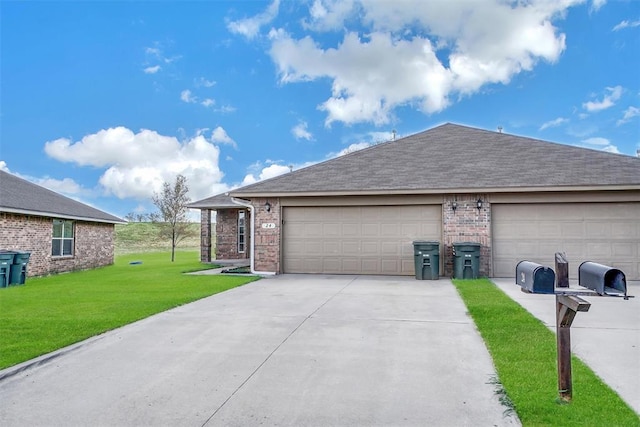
(608,233)
(356,239)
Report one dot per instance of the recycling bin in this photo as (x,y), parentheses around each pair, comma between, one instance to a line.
(19,268)
(6,259)
(426,257)
(466,260)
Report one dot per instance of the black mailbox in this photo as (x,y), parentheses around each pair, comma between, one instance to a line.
(535,278)
(602,279)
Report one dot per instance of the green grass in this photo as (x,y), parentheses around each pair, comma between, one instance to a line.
(49,313)
(524,354)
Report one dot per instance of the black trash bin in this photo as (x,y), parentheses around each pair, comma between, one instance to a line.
(426,257)
(6,259)
(466,260)
(19,268)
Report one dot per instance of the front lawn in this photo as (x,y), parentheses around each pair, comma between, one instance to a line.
(524,354)
(52,312)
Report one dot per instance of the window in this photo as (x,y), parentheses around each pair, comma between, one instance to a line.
(62,243)
(241,232)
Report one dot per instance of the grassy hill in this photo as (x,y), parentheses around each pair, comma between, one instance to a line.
(143,237)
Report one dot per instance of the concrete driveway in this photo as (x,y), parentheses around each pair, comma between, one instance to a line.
(290,350)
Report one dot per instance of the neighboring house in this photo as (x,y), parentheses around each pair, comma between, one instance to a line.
(520,198)
(60,233)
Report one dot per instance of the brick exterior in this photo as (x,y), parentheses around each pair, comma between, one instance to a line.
(267,244)
(226,239)
(467,224)
(205,235)
(93,245)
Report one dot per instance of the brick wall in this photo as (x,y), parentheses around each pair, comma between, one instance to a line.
(467,224)
(226,245)
(94,243)
(267,240)
(205,235)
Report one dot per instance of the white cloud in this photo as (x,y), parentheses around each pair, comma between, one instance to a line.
(4,167)
(270,171)
(138,163)
(220,136)
(225,109)
(554,123)
(607,101)
(152,70)
(188,97)
(250,27)
(202,82)
(597,4)
(352,148)
(300,131)
(626,24)
(602,144)
(629,114)
(419,54)
(208,102)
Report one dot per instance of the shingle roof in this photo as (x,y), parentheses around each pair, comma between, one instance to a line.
(20,196)
(220,201)
(452,157)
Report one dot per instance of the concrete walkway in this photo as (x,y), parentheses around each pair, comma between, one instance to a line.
(606,338)
(292,350)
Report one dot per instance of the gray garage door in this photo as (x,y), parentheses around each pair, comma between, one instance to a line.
(356,239)
(608,233)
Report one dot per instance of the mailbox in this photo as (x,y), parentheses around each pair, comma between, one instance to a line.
(602,279)
(535,278)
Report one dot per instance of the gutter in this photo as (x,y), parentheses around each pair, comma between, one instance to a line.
(250,207)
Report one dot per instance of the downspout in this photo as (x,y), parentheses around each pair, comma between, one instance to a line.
(250,207)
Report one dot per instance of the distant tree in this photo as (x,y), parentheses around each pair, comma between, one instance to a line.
(172,216)
(130,217)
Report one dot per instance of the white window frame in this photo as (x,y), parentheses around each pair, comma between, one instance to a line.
(242,231)
(65,246)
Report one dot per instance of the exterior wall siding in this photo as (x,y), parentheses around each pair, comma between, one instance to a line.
(467,224)
(94,243)
(226,245)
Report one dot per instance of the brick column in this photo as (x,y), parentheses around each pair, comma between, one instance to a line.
(267,238)
(467,224)
(205,235)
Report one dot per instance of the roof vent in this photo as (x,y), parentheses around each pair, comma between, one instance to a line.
(499,129)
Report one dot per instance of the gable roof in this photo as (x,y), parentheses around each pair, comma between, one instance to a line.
(454,158)
(23,197)
(220,201)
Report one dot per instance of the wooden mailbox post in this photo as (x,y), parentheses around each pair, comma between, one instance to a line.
(566,308)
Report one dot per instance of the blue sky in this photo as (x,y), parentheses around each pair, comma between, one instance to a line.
(105,101)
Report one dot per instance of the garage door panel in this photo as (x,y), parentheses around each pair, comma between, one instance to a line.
(608,233)
(371,239)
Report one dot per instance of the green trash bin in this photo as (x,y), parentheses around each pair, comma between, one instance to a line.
(466,260)
(426,257)
(6,259)
(19,268)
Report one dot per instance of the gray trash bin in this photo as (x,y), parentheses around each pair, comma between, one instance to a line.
(466,260)
(19,268)
(6,259)
(426,256)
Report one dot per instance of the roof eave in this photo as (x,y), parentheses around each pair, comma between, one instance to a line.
(458,190)
(59,215)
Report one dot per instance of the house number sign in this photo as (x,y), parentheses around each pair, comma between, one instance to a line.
(268,225)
